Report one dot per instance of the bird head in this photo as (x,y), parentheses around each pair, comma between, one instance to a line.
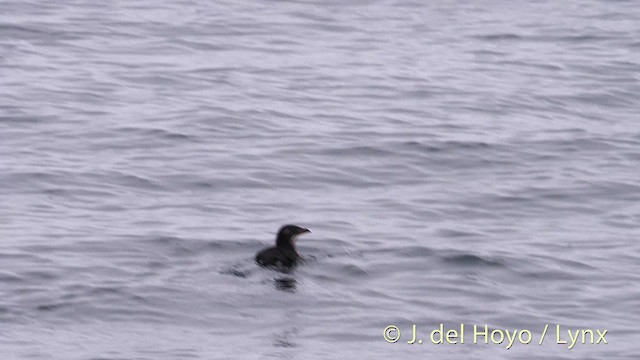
(287,235)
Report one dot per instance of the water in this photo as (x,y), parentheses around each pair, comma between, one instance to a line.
(457,162)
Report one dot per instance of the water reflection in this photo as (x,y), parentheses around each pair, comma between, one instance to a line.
(286,284)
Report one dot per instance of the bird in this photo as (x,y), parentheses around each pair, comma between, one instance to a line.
(284,254)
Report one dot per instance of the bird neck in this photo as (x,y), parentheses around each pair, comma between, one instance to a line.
(285,242)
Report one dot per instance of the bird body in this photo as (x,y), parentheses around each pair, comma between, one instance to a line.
(284,254)
(274,256)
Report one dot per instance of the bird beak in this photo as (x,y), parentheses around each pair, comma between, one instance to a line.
(302,231)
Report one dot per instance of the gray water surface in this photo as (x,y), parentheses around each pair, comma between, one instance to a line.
(457,162)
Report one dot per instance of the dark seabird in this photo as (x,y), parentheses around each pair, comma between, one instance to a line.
(284,253)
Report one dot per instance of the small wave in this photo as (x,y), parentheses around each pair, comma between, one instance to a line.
(20,119)
(472,260)
(415,251)
(446,146)
(498,37)
(353,270)
(156,133)
(235,271)
(453,233)
(173,245)
(10,278)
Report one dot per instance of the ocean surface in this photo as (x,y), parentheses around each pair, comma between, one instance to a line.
(473,162)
